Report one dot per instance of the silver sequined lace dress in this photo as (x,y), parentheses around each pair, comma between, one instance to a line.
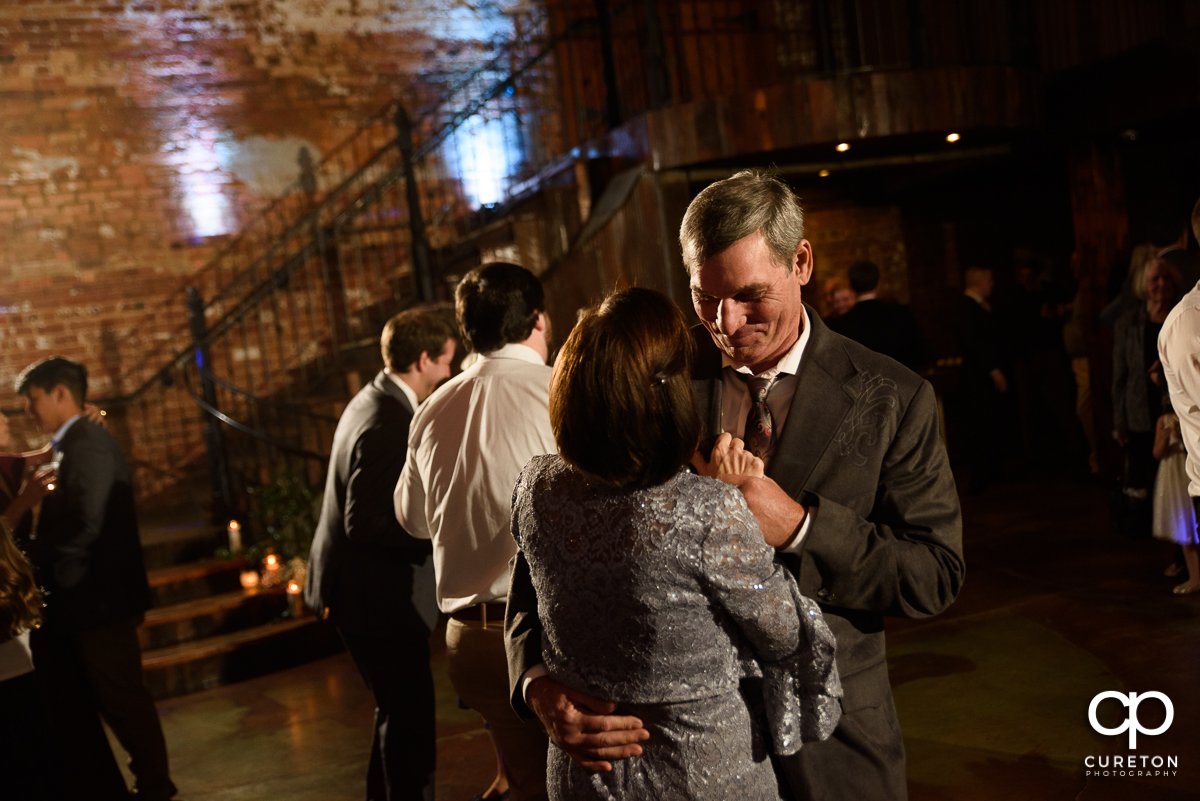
(665,600)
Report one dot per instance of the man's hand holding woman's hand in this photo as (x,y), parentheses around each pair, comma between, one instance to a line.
(729,459)
(585,728)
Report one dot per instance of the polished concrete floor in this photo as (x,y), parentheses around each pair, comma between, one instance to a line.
(993,695)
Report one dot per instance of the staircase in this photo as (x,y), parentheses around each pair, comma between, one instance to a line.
(204,629)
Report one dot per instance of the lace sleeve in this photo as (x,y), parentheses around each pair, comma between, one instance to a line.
(740,570)
(794,646)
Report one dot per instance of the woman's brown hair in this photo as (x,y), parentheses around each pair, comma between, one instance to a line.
(621,401)
(20,601)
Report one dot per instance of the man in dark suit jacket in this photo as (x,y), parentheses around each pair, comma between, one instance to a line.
(982,379)
(859,496)
(887,328)
(366,574)
(89,560)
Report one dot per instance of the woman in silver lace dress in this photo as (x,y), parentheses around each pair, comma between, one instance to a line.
(655,587)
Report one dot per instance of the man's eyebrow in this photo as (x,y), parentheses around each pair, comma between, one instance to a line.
(748,289)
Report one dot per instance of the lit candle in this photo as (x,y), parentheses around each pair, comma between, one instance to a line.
(272,562)
(249,579)
(295,603)
(235,536)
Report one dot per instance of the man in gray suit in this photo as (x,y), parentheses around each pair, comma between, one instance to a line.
(366,574)
(859,497)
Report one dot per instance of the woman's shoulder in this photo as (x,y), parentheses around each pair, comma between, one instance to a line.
(541,468)
(711,494)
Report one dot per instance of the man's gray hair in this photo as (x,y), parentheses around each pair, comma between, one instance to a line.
(733,209)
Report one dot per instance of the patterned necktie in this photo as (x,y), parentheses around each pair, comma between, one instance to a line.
(759,427)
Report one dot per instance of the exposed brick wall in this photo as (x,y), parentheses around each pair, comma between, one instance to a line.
(133,136)
(843,234)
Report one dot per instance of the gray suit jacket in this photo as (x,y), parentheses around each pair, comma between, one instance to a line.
(860,448)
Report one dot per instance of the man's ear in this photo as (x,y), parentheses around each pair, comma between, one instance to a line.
(540,323)
(423,361)
(802,262)
(60,393)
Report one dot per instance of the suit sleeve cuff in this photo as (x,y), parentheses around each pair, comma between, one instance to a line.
(535,672)
(797,543)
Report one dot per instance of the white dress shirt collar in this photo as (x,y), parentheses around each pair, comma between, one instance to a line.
(790,363)
(515,350)
(408,391)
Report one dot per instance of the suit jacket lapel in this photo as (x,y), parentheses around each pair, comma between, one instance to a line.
(386,385)
(821,403)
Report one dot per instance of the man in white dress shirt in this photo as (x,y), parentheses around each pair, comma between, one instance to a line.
(466,448)
(1178,350)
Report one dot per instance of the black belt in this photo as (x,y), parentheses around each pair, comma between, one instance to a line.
(489,612)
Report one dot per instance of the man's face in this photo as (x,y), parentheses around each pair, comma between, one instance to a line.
(43,408)
(984,284)
(749,303)
(441,365)
(433,371)
(843,301)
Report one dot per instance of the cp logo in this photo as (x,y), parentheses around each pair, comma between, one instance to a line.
(1131,723)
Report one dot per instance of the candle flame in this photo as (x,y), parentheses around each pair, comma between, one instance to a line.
(293,588)
(234,525)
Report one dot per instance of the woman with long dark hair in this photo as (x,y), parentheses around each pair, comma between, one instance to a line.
(655,586)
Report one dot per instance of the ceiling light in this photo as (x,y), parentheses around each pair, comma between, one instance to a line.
(952,137)
(824,173)
(843,147)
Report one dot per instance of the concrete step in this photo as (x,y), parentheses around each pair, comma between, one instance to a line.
(210,616)
(236,656)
